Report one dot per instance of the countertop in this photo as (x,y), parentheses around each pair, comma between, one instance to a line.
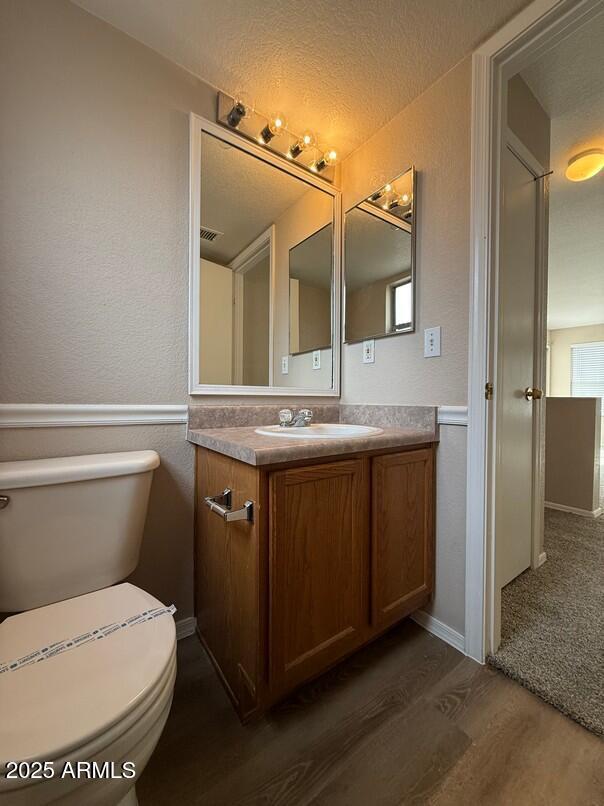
(244,444)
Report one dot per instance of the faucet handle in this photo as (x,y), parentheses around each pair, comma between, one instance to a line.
(306,414)
(285,417)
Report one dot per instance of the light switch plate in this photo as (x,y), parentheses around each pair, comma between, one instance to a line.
(431,342)
(316,359)
(369,351)
(285,365)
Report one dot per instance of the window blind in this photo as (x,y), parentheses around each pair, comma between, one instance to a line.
(587,369)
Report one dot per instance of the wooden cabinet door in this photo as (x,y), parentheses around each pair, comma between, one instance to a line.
(318,567)
(402,554)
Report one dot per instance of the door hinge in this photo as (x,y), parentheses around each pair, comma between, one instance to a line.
(488,391)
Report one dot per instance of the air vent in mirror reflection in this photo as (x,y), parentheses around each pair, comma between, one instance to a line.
(207,234)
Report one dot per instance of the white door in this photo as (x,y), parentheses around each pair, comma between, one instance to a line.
(516,346)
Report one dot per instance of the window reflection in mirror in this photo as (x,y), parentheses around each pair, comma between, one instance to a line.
(262,229)
(379,262)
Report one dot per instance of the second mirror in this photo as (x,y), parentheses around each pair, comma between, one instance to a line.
(379,261)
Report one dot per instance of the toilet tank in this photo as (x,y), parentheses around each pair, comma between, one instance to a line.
(71,525)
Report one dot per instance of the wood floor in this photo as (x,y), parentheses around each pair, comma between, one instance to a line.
(407,720)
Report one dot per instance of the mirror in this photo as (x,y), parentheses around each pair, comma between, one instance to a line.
(379,252)
(310,293)
(264,314)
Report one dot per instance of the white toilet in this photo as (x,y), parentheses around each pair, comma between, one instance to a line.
(70,526)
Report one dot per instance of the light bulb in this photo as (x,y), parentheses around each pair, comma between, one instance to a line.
(329,157)
(405,198)
(242,106)
(379,193)
(275,125)
(306,141)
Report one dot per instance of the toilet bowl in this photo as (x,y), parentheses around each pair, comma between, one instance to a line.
(86,682)
(106,700)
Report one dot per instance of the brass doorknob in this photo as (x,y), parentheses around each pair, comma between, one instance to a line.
(533,394)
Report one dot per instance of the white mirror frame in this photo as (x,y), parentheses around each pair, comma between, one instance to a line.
(198,125)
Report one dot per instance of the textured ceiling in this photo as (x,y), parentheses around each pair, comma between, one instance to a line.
(568,83)
(341,67)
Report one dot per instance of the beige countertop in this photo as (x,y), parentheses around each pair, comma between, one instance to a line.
(244,444)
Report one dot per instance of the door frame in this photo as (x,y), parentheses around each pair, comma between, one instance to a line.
(534,31)
(263,246)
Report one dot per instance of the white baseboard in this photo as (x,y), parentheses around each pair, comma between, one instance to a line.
(66,415)
(185,627)
(440,630)
(585,513)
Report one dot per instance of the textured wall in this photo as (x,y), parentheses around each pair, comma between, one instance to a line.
(433,133)
(94,209)
(93,251)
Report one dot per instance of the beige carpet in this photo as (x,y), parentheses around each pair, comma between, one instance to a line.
(553,621)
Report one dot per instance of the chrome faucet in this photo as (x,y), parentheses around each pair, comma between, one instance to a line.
(287,418)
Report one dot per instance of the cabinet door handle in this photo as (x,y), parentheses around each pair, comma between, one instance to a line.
(221,505)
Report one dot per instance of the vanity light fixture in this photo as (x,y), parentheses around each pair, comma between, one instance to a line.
(238,114)
(276,125)
(239,110)
(379,193)
(306,141)
(328,158)
(585,165)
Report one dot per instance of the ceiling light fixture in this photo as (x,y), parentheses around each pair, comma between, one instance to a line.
(585,165)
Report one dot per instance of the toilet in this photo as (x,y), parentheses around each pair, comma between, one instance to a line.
(91,663)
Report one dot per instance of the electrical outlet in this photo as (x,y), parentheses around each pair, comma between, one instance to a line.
(285,365)
(316,359)
(369,351)
(431,342)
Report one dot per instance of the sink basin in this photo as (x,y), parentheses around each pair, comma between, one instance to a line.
(320,431)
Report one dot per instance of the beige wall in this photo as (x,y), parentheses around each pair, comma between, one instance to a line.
(572,452)
(560,342)
(528,120)
(93,250)
(94,135)
(432,133)
(308,215)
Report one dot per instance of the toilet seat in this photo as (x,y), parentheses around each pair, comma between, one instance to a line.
(79,701)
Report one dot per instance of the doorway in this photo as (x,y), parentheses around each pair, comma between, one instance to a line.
(507,434)
(532,33)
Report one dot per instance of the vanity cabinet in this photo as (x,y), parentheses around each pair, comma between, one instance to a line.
(338,551)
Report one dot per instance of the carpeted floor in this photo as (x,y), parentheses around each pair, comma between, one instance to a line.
(553,621)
